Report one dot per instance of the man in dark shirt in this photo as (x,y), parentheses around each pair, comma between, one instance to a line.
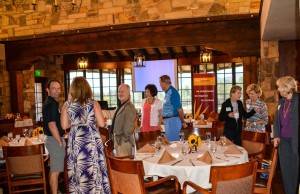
(54,141)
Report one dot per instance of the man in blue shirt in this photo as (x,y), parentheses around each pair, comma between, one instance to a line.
(172,112)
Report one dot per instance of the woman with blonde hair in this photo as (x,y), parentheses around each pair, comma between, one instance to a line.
(258,121)
(232,112)
(286,133)
(86,164)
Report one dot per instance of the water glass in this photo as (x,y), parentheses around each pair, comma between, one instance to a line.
(157,145)
(159,138)
(213,148)
(208,136)
(184,149)
(10,136)
(223,141)
(236,115)
(18,138)
(181,137)
(25,133)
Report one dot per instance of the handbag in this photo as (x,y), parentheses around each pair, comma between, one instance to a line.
(266,164)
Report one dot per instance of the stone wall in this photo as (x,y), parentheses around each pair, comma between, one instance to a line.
(268,74)
(21,20)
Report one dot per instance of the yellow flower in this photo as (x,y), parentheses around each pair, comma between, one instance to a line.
(187,116)
(194,140)
(37,131)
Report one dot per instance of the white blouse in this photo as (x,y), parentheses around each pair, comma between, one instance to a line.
(155,108)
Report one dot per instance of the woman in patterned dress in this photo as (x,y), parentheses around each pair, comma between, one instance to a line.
(86,164)
(259,120)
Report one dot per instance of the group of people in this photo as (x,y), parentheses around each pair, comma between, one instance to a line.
(286,124)
(86,163)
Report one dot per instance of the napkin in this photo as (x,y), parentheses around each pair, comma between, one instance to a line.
(3,143)
(148,149)
(232,149)
(210,119)
(27,142)
(166,157)
(4,138)
(201,122)
(206,158)
(165,141)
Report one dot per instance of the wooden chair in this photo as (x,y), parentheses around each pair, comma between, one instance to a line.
(265,185)
(234,179)
(141,138)
(201,131)
(127,176)
(25,168)
(254,143)
(104,133)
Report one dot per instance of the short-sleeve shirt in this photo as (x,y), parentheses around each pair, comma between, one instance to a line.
(51,113)
(172,102)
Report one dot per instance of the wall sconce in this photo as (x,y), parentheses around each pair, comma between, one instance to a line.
(82,63)
(205,56)
(139,60)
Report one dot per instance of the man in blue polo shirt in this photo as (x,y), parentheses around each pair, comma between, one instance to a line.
(172,112)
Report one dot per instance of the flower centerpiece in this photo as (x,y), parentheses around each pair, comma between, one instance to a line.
(37,131)
(189,117)
(194,141)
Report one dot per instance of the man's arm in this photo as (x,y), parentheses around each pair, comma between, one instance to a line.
(181,115)
(54,131)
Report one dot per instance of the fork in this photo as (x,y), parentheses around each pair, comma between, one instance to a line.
(231,156)
(222,159)
(191,162)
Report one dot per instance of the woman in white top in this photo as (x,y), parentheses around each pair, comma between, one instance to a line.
(151,110)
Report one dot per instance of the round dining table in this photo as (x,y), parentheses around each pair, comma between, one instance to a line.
(187,167)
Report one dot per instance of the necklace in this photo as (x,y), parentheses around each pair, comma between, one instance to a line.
(285,110)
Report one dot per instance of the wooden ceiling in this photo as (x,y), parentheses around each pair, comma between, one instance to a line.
(229,36)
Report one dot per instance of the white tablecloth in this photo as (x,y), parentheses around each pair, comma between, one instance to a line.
(184,170)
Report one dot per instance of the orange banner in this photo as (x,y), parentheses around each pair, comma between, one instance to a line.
(204,93)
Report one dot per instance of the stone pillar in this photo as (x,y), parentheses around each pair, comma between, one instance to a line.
(268,74)
(4,84)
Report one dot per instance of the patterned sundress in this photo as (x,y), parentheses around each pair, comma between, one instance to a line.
(86,164)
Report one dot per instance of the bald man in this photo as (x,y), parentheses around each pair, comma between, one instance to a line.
(122,127)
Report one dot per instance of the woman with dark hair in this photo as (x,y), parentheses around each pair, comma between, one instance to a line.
(151,109)
(286,133)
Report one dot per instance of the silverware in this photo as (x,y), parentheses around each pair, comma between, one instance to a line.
(176,162)
(222,159)
(191,162)
(148,157)
(231,156)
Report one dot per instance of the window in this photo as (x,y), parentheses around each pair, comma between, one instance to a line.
(38,95)
(185,87)
(109,86)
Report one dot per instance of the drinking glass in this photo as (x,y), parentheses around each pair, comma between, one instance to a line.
(159,138)
(236,115)
(213,148)
(184,149)
(208,137)
(18,137)
(25,133)
(157,145)
(181,137)
(223,140)
(10,136)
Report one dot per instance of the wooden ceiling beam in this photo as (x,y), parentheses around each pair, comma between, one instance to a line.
(237,36)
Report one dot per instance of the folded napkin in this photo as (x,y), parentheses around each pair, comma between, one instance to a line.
(232,149)
(206,158)
(166,157)
(3,143)
(201,122)
(4,138)
(27,142)
(165,141)
(210,119)
(148,149)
